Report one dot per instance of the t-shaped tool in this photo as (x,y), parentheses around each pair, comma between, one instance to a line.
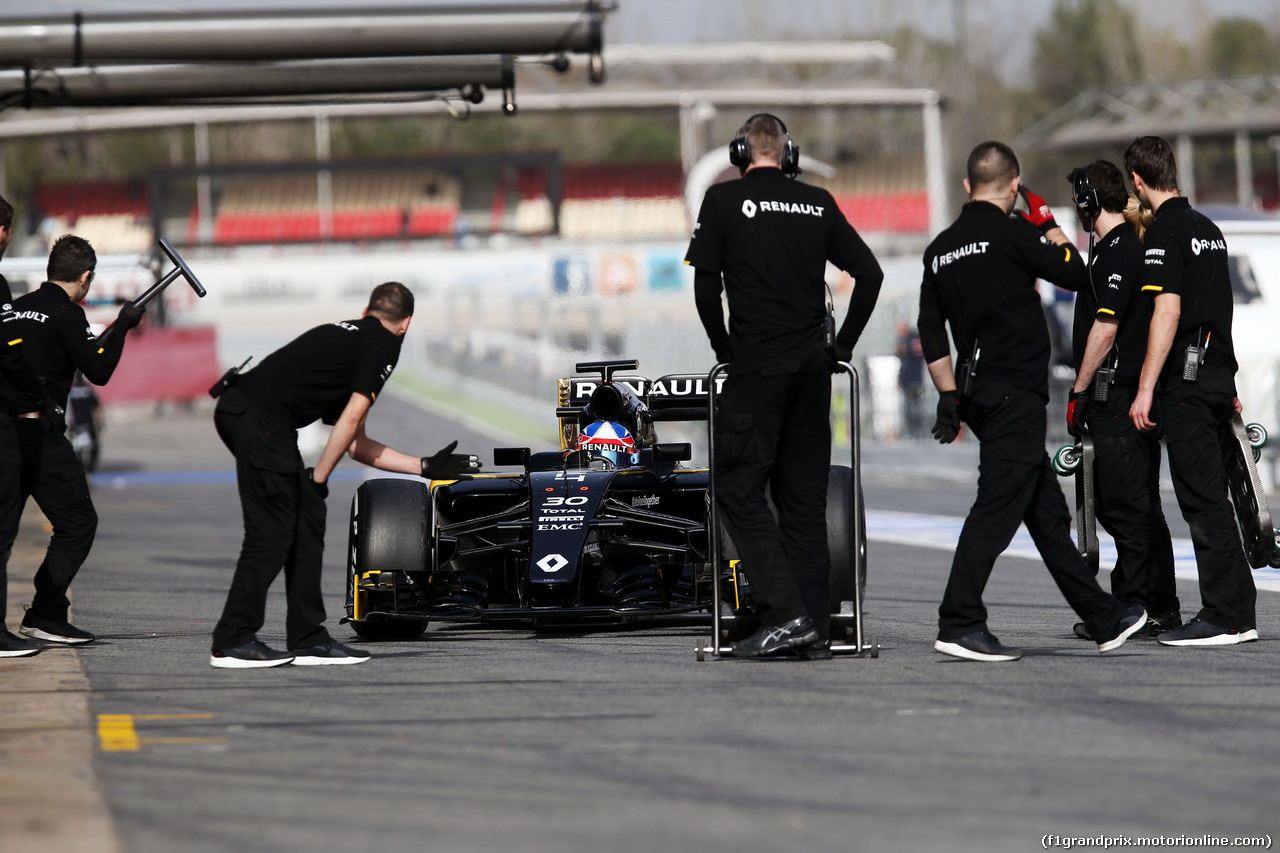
(181,270)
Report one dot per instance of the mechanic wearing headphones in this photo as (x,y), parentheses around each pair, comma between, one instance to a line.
(1109,338)
(980,277)
(58,342)
(333,372)
(770,238)
(1191,358)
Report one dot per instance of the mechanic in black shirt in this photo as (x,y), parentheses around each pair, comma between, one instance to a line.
(1185,268)
(1110,334)
(58,342)
(6,235)
(979,277)
(332,373)
(770,237)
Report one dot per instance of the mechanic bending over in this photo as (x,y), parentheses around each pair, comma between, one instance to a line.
(57,341)
(1109,342)
(18,382)
(1190,368)
(770,237)
(980,279)
(332,373)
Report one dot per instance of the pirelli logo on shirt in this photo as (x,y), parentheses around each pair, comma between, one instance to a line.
(750,208)
(1154,258)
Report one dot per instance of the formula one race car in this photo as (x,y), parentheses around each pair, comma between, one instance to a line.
(611,527)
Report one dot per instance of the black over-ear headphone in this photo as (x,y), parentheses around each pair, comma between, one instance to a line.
(740,148)
(1086,197)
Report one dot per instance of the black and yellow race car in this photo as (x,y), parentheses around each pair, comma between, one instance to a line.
(612,527)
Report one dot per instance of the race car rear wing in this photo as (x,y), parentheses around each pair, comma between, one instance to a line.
(674,397)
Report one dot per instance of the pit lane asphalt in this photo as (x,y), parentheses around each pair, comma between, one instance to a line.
(484,740)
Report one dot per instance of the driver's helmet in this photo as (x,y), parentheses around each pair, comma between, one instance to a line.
(610,440)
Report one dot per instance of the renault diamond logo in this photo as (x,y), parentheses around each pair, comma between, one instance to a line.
(552,563)
(749,208)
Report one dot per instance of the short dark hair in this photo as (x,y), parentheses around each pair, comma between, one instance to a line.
(765,135)
(1108,182)
(1152,159)
(391,301)
(992,162)
(70,258)
(6,213)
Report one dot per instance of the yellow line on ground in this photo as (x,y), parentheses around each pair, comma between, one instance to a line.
(172,716)
(116,733)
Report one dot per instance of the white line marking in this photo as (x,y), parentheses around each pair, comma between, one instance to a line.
(942,532)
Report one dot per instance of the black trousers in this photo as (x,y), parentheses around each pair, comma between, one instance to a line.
(11,500)
(38,462)
(1194,415)
(1016,485)
(1127,501)
(774,432)
(284,520)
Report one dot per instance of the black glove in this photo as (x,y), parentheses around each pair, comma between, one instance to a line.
(947,427)
(1077,413)
(447,465)
(837,354)
(129,317)
(54,414)
(321,489)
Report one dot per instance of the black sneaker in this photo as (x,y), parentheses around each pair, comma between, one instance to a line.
(53,631)
(817,650)
(1081,630)
(1198,632)
(980,645)
(1131,621)
(16,647)
(1157,625)
(252,655)
(328,652)
(768,640)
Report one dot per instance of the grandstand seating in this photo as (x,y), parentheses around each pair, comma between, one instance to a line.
(884,194)
(366,206)
(112,215)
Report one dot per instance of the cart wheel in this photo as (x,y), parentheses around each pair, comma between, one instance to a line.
(1257,453)
(1066,460)
(875,647)
(1274,562)
(702,655)
(1257,435)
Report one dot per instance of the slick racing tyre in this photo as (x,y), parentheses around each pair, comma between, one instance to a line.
(845,562)
(389,536)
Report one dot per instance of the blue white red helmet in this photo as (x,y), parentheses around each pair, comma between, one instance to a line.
(611,440)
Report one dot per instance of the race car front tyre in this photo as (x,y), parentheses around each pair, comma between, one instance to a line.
(390,532)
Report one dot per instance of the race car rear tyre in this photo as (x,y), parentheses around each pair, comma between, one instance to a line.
(840,521)
(390,531)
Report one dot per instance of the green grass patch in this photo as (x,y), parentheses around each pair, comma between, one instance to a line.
(479,408)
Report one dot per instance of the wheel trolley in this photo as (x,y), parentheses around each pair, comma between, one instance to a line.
(849,620)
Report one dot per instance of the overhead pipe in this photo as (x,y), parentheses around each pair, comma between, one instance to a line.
(144,85)
(344,33)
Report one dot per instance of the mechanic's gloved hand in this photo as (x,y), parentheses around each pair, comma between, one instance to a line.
(447,465)
(947,427)
(129,317)
(321,489)
(54,414)
(1077,413)
(837,354)
(1039,214)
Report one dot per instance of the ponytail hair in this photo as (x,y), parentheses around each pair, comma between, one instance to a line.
(1138,216)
